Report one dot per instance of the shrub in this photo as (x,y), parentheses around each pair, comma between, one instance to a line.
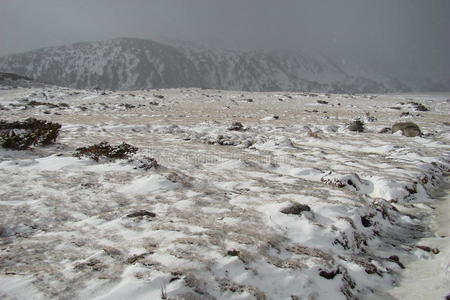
(39,103)
(105,150)
(20,135)
(357,126)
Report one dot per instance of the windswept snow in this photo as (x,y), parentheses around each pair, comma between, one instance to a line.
(208,222)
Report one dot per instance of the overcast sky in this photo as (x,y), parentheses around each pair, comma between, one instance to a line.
(389,32)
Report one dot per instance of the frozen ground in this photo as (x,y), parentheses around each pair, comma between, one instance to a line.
(219,232)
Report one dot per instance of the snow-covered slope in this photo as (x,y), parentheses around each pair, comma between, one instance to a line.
(290,205)
(283,70)
(115,64)
(128,63)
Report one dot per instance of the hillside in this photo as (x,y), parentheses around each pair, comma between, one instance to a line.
(130,64)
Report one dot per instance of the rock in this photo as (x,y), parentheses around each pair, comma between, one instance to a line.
(295,209)
(111,251)
(385,130)
(357,126)
(405,114)
(141,213)
(146,163)
(408,129)
(428,249)
(233,252)
(419,106)
(329,275)
(396,259)
(365,221)
(135,258)
(322,102)
(236,126)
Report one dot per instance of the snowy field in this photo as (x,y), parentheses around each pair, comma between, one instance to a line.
(293,205)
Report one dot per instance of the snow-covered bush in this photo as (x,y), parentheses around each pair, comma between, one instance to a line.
(20,135)
(105,150)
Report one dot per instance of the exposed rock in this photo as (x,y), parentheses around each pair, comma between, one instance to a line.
(295,209)
(236,126)
(396,259)
(365,221)
(385,130)
(419,106)
(137,257)
(405,114)
(146,163)
(111,251)
(233,252)
(141,213)
(428,249)
(408,129)
(329,275)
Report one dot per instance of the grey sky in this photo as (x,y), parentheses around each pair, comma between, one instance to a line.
(388,32)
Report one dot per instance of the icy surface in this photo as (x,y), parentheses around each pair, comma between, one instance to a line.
(218,194)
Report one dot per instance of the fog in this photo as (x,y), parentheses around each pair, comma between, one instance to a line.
(405,35)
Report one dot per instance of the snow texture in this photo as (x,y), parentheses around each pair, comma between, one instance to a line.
(207,222)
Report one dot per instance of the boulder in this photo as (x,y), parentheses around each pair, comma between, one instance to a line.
(295,209)
(408,129)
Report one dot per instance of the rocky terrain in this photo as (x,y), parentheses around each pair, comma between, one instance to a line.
(230,195)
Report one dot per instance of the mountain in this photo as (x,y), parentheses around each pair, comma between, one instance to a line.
(130,64)
(122,64)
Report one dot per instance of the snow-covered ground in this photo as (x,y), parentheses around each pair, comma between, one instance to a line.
(67,226)
(429,276)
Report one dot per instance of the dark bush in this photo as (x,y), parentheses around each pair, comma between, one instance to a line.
(20,135)
(39,103)
(357,126)
(105,150)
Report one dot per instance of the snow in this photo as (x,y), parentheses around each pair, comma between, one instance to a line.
(218,231)
(428,277)
(147,185)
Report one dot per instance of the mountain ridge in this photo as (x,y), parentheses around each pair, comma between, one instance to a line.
(131,63)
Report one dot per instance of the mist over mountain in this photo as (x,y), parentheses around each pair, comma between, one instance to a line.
(130,64)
